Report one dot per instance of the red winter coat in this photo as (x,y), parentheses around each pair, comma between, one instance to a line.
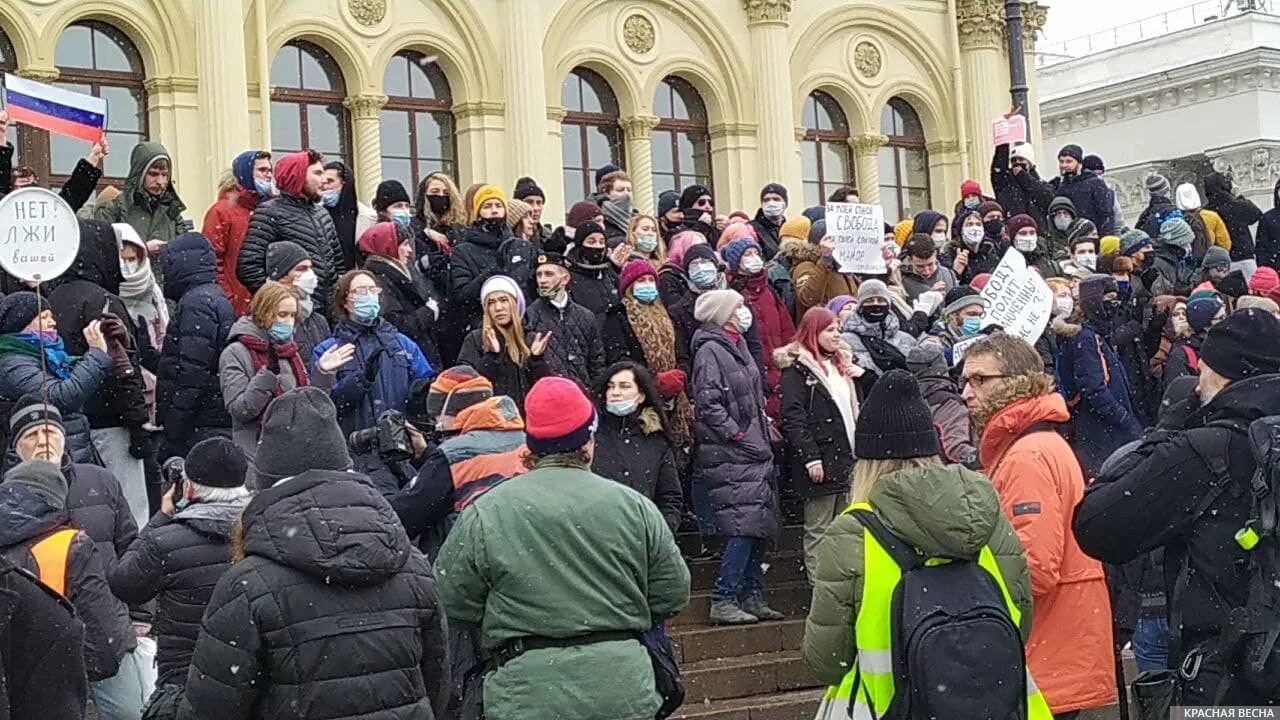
(775,328)
(225,224)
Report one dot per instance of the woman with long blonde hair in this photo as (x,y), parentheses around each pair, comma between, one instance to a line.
(645,241)
(500,349)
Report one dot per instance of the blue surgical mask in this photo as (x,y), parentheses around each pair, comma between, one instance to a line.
(365,308)
(703,277)
(265,188)
(646,243)
(971,203)
(645,293)
(621,408)
(281,332)
(401,218)
(971,325)
(330,197)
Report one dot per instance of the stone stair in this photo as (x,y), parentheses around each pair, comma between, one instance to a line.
(749,672)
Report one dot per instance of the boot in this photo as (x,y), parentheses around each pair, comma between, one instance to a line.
(755,605)
(727,612)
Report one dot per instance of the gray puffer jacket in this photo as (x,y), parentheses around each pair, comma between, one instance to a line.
(732,434)
(246,392)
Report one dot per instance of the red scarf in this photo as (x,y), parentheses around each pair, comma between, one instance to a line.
(284,351)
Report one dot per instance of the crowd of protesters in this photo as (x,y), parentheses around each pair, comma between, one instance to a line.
(262,455)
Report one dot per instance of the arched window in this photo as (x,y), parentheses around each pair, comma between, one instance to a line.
(824,153)
(96,58)
(416,124)
(8,64)
(307,91)
(904,164)
(680,144)
(591,135)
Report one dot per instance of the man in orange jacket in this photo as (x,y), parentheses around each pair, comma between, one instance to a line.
(1016,413)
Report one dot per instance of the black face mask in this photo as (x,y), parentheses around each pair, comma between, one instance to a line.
(874,313)
(592,256)
(494,226)
(1110,308)
(993,227)
(439,203)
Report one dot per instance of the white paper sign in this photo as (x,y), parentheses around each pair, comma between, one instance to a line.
(858,233)
(39,234)
(1019,300)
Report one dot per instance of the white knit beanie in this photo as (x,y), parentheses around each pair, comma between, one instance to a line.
(716,306)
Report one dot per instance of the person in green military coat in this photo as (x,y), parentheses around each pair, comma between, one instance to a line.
(573,566)
(148,200)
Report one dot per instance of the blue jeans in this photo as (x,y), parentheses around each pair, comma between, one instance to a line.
(702,503)
(1151,644)
(123,696)
(741,569)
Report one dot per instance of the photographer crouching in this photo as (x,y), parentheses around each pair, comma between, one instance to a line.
(391,451)
(179,556)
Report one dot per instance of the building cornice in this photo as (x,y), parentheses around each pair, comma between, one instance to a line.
(1248,71)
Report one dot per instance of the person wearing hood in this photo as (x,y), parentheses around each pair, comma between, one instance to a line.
(1188,201)
(298,215)
(898,464)
(260,363)
(1201,312)
(1239,213)
(148,200)
(770,218)
(1087,192)
(78,188)
(616,206)
(31,349)
(734,455)
(595,275)
(564,635)
(289,265)
(501,350)
(188,395)
(1017,184)
(935,225)
(923,270)
(1185,494)
(143,298)
(350,216)
(818,279)
(1094,380)
(179,556)
(227,221)
(765,311)
(819,410)
(346,569)
(1062,216)
(928,363)
(118,412)
(705,271)
(979,241)
(635,444)
(874,333)
(1039,482)
(367,365)
(1268,243)
(487,248)
(33,503)
(1172,259)
(407,300)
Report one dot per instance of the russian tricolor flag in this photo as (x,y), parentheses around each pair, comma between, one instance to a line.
(55,109)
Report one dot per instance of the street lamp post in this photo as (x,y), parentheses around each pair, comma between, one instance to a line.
(1017,61)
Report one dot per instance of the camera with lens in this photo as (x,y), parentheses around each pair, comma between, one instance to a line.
(172,473)
(388,437)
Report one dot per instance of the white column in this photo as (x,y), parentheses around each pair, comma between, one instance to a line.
(771,56)
(636,131)
(524,85)
(224,88)
(367,151)
(981,29)
(866,158)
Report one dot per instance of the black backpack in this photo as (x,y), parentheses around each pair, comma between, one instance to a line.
(957,653)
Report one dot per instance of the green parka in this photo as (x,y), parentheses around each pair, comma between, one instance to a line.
(155,218)
(943,510)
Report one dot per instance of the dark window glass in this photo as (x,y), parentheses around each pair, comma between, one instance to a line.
(307,91)
(825,162)
(591,135)
(680,144)
(417,123)
(903,162)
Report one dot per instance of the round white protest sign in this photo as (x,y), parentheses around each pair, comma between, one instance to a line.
(39,234)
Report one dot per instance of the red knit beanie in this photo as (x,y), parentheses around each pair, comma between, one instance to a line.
(970,187)
(291,171)
(558,417)
(1264,280)
(633,271)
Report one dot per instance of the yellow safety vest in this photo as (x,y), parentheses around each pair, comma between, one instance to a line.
(873,637)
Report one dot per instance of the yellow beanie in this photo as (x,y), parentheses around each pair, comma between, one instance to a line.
(1108,244)
(486,192)
(902,231)
(796,227)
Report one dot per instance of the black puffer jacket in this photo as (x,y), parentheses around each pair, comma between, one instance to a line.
(331,614)
(593,286)
(508,378)
(297,219)
(188,394)
(1021,194)
(1268,245)
(479,257)
(1091,196)
(26,518)
(42,656)
(767,234)
(813,426)
(1237,212)
(178,560)
(636,452)
(575,350)
(404,304)
(80,297)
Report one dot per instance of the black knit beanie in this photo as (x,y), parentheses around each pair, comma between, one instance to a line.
(216,463)
(667,201)
(527,187)
(282,257)
(389,193)
(894,421)
(1246,343)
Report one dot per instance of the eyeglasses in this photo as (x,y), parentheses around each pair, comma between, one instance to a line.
(979,380)
(371,290)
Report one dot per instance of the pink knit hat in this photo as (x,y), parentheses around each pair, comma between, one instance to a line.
(633,271)
(1264,280)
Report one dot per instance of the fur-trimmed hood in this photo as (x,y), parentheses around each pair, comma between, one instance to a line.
(798,251)
(1065,327)
(791,353)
